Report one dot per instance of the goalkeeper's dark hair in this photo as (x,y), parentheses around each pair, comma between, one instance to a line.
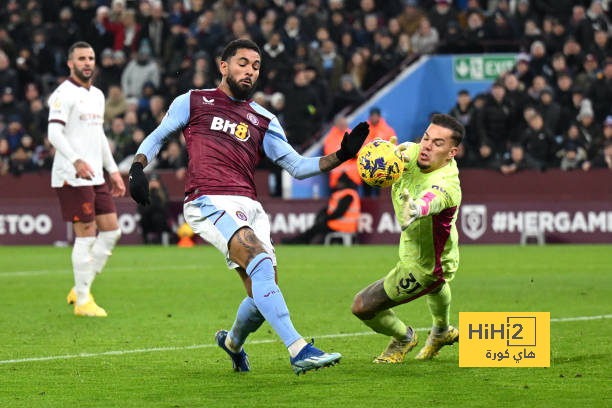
(78,44)
(449,122)
(230,49)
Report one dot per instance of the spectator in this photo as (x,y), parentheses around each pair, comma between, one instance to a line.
(493,125)
(605,137)
(589,128)
(572,152)
(563,90)
(384,58)
(64,33)
(302,115)
(523,70)
(404,46)
(517,98)
(126,32)
(173,158)
(347,95)
(322,88)
(597,17)
(538,64)
(498,27)
(332,144)
(588,76)
(277,107)
(9,107)
(340,215)
(572,50)
(550,110)
(573,158)
(115,104)
(518,160)
(603,160)
(140,71)
(331,63)
(475,32)
(13,132)
(539,141)
(108,72)
(156,29)
(602,46)
(119,135)
(425,40)
(208,33)
(21,157)
(97,34)
(442,16)
(357,68)
(600,92)
(559,66)
(539,83)
(580,26)
(154,218)
(8,76)
(522,15)
(5,156)
(463,111)
(36,121)
(274,60)
(379,128)
(410,19)
(465,158)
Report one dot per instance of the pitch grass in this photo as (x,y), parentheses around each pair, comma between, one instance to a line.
(173,297)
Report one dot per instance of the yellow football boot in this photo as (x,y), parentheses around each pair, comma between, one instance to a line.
(89,309)
(72,297)
(397,350)
(435,343)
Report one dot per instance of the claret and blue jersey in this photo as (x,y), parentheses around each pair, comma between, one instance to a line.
(225,139)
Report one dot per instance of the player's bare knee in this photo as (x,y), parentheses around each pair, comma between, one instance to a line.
(358,308)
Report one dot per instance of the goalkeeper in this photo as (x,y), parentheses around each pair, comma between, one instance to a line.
(426,201)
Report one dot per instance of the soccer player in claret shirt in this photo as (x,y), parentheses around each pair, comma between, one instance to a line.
(226,135)
(426,200)
(76,116)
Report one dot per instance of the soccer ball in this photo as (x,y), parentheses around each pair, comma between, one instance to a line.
(379,164)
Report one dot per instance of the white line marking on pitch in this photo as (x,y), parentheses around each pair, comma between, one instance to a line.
(111,269)
(202,346)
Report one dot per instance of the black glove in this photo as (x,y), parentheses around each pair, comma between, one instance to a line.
(351,143)
(139,185)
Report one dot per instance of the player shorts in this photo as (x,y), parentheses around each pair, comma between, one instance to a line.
(216,218)
(406,282)
(82,204)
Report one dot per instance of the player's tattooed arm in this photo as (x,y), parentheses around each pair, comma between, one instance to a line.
(142,159)
(329,162)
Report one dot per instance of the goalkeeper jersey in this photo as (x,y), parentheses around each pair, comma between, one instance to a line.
(430,244)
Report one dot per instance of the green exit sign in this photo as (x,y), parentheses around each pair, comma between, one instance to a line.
(481,67)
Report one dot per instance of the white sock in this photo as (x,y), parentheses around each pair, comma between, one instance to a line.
(296,347)
(82,265)
(102,248)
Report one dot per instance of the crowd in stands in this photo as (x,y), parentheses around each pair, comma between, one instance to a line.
(319,57)
(554,109)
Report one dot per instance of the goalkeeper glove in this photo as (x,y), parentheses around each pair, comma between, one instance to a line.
(401,149)
(139,185)
(410,211)
(351,143)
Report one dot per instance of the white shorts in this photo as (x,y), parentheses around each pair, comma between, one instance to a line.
(216,218)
